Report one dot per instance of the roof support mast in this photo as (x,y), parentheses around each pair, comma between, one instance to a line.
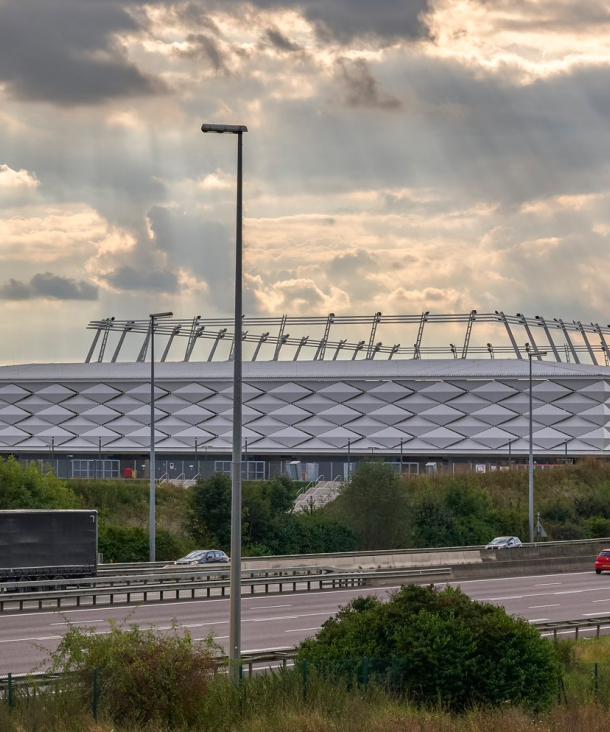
(530,337)
(550,340)
(170,340)
(471,319)
(128,326)
(371,346)
(568,339)
(587,344)
(510,334)
(420,334)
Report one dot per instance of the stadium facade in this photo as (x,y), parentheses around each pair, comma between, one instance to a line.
(307,417)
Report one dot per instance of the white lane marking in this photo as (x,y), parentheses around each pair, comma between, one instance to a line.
(538,620)
(538,607)
(301,630)
(146,605)
(266,607)
(543,594)
(606,599)
(548,584)
(593,615)
(284,617)
(82,621)
(508,579)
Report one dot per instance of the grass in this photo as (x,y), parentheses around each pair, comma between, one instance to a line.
(262,707)
(126,502)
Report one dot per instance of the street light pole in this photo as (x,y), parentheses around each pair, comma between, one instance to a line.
(236,467)
(151,520)
(532,354)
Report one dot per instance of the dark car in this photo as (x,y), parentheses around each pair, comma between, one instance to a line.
(212,556)
(504,542)
(602,562)
(204,556)
(191,558)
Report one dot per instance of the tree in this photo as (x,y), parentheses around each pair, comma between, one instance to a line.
(439,647)
(433,524)
(210,512)
(373,505)
(27,486)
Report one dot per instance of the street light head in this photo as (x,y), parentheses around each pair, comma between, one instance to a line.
(534,354)
(221,129)
(161,315)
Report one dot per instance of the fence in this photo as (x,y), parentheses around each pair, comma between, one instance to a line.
(195,587)
(578,682)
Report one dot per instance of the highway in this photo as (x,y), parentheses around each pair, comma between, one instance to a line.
(277,621)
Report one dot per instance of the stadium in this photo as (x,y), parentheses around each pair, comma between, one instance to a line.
(316,404)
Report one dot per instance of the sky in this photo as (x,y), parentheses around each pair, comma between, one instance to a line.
(401,155)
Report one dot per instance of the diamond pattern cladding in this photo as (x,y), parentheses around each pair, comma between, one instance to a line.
(427,417)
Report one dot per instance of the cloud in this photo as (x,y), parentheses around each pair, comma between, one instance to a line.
(345,20)
(204,48)
(10,178)
(68,52)
(362,88)
(280,42)
(48,286)
(129,278)
(192,243)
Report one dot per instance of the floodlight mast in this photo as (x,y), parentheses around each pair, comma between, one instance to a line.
(236,466)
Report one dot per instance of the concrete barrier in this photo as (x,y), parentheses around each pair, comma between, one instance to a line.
(465,562)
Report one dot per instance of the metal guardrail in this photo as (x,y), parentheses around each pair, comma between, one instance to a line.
(565,627)
(327,558)
(136,594)
(194,574)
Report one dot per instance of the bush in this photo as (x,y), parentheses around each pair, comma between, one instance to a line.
(143,675)
(131,544)
(441,646)
(373,505)
(27,486)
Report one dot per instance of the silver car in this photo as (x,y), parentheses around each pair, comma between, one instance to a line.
(504,542)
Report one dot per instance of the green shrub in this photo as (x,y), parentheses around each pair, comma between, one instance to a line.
(440,646)
(144,675)
(131,544)
(27,486)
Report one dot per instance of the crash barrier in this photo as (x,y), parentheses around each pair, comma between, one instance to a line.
(574,628)
(464,559)
(193,574)
(203,588)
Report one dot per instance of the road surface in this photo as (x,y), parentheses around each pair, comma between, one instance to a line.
(277,621)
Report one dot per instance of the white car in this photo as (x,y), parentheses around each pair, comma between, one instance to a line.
(504,542)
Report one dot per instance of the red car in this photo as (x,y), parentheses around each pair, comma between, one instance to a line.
(603,561)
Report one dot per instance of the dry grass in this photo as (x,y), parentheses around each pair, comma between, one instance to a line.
(360,718)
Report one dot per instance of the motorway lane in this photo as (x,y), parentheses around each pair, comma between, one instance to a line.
(278,621)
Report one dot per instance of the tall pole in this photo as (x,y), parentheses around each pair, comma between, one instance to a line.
(196,459)
(349,457)
(236,465)
(401,457)
(531,457)
(151,517)
(235,580)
